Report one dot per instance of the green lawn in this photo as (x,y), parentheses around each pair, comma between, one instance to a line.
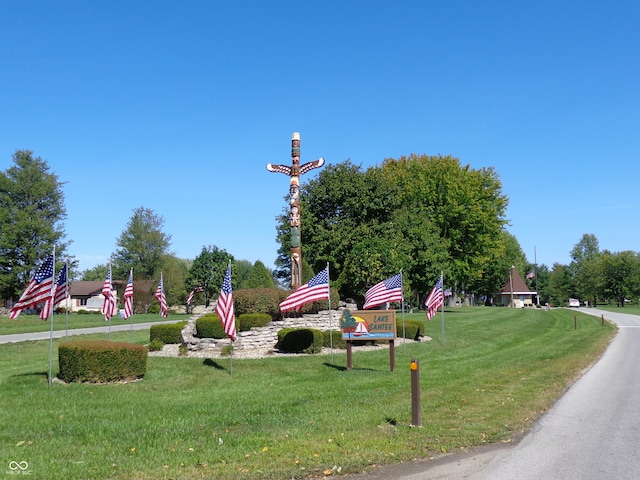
(498,370)
(630,308)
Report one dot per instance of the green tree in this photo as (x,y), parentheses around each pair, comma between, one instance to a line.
(585,267)
(259,277)
(422,214)
(32,214)
(620,276)
(207,271)
(99,272)
(174,274)
(560,285)
(142,246)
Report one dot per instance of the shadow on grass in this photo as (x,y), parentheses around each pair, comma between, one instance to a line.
(212,363)
(343,368)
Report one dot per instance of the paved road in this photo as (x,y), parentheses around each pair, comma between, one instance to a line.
(22,337)
(591,433)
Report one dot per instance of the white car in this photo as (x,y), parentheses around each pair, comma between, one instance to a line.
(574,303)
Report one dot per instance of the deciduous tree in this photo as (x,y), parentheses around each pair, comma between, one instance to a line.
(32,214)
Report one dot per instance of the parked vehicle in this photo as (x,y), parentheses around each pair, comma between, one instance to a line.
(574,302)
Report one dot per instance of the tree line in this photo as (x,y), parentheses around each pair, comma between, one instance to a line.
(420,214)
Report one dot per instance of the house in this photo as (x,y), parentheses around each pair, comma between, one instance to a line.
(515,293)
(85,295)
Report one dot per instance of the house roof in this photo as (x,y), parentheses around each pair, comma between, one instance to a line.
(85,288)
(515,284)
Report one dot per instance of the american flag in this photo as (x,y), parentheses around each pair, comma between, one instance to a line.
(60,289)
(109,305)
(38,290)
(128,296)
(530,275)
(161,298)
(316,289)
(435,299)
(193,293)
(389,290)
(224,307)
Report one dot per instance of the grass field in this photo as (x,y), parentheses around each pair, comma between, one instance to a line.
(496,372)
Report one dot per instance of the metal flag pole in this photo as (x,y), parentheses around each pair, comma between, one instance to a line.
(404,336)
(66,301)
(442,306)
(130,316)
(53,282)
(330,314)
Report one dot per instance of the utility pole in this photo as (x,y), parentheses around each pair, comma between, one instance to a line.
(294,172)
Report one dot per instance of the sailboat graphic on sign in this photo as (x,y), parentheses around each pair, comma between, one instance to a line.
(362,327)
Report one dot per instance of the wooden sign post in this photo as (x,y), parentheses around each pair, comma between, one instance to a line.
(367,325)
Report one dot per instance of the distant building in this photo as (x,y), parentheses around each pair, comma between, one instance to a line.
(85,295)
(515,293)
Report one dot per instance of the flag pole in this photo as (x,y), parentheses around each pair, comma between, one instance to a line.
(131,334)
(442,281)
(330,314)
(404,333)
(231,339)
(53,282)
(111,293)
(66,301)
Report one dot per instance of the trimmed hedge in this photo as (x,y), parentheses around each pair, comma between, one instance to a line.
(167,333)
(300,340)
(247,321)
(412,328)
(338,341)
(267,301)
(209,326)
(101,361)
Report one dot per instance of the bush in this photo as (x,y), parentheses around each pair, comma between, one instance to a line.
(412,329)
(337,341)
(154,307)
(247,321)
(209,326)
(167,333)
(299,340)
(155,345)
(267,301)
(100,361)
(259,300)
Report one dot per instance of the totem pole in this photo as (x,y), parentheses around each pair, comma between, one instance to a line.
(294,172)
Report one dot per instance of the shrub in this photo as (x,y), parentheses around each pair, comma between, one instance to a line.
(209,326)
(337,341)
(155,345)
(299,340)
(247,321)
(267,301)
(154,307)
(259,300)
(100,361)
(167,333)
(412,328)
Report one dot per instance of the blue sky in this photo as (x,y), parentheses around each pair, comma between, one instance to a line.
(178,106)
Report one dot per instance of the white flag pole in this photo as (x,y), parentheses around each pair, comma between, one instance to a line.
(53,282)
(66,301)
(442,306)
(404,333)
(330,314)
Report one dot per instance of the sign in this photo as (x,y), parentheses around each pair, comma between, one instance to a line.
(368,324)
